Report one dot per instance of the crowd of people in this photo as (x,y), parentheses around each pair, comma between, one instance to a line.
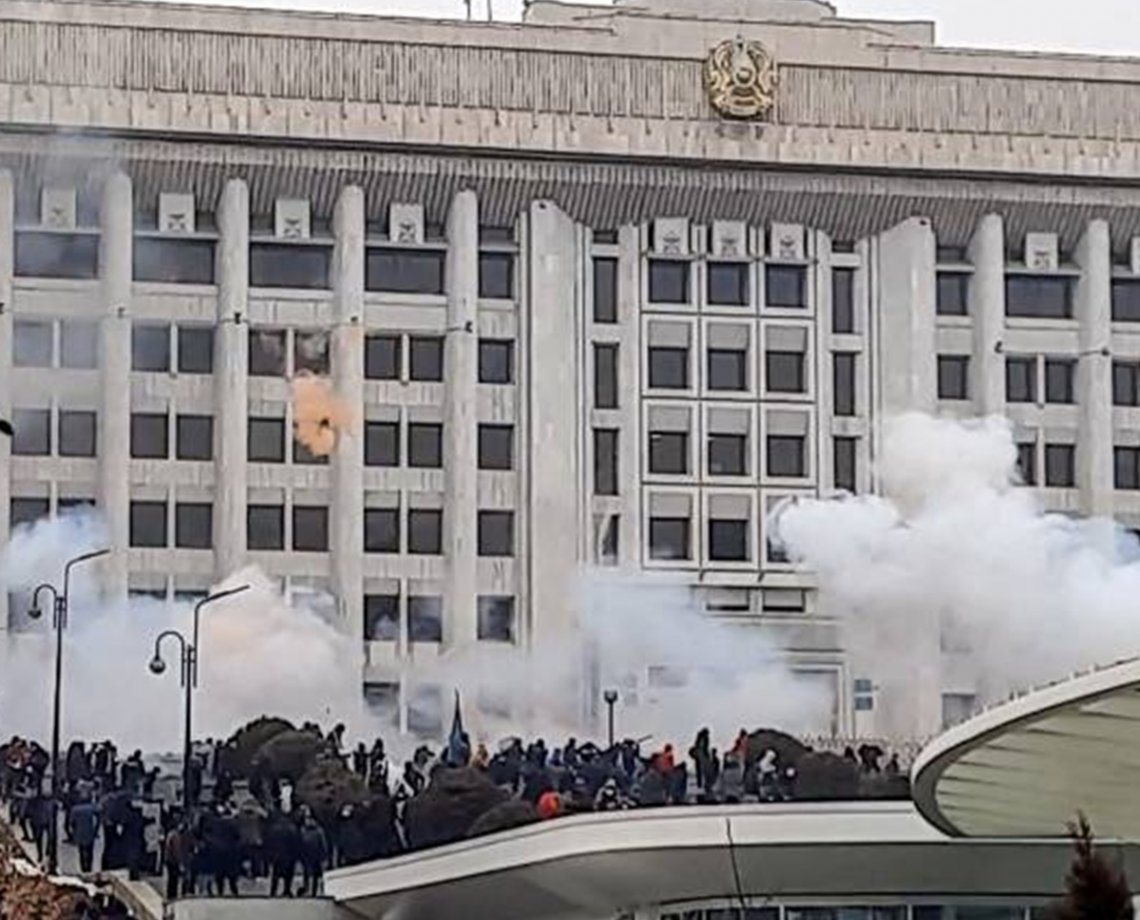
(267,832)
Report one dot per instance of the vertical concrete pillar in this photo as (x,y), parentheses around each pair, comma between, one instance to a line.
(1094,371)
(231,380)
(905,343)
(7,246)
(460,422)
(629,386)
(115,266)
(986,303)
(348,376)
(557,502)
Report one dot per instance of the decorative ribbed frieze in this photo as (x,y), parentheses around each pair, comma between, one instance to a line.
(541,81)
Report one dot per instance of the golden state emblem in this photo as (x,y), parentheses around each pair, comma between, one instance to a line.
(741,79)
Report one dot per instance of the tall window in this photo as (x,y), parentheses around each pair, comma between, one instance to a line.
(425,531)
(310,528)
(194,437)
(266,440)
(843,379)
(382,357)
(148,524)
(953,377)
(1059,380)
(425,358)
(195,349)
(1027,463)
(267,352)
(843,300)
(953,294)
(31,343)
(605,376)
(194,525)
(605,461)
(381,530)
(382,444)
(1060,465)
(150,347)
(496,361)
(1126,383)
(1127,467)
(425,445)
(843,462)
(1020,379)
(496,533)
(668,281)
(149,435)
(265,527)
(32,436)
(605,290)
(381,617)
(497,275)
(76,434)
(496,447)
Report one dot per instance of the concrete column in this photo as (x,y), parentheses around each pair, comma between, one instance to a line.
(231,380)
(460,422)
(347,541)
(115,247)
(986,303)
(7,243)
(557,502)
(905,342)
(629,388)
(1094,371)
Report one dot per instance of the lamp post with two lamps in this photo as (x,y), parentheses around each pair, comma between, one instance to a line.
(189,675)
(59,607)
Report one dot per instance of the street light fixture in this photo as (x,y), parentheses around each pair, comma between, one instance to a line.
(611,698)
(189,678)
(59,608)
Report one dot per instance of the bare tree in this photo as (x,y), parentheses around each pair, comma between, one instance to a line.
(1095,888)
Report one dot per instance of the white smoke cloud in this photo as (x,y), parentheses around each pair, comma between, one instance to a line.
(955,554)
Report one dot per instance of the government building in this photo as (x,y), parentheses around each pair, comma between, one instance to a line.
(600,289)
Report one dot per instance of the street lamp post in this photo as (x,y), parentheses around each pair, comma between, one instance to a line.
(189,676)
(611,697)
(59,607)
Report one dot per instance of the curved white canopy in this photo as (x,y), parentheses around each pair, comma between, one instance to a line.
(1025,768)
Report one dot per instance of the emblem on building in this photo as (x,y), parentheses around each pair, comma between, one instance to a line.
(741,79)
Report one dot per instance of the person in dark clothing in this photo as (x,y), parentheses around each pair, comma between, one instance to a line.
(223,839)
(134,840)
(314,852)
(282,850)
(83,823)
(172,857)
(699,753)
(360,760)
(41,812)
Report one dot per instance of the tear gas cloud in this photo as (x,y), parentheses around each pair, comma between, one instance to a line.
(955,547)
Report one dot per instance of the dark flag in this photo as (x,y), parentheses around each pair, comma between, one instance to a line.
(6,427)
(458,747)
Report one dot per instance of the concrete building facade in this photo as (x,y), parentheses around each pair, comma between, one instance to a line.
(581,317)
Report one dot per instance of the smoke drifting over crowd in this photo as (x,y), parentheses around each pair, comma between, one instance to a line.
(1020,596)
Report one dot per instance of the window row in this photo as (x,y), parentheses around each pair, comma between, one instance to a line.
(727,539)
(76,434)
(272,264)
(495,618)
(726,283)
(1059,462)
(727,454)
(1028,378)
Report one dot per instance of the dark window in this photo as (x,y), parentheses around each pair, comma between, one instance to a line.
(669,368)
(669,452)
(605,237)
(843,300)
(605,290)
(843,381)
(728,284)
(265,527)
(32,437)
(267,440)
(605,461)
(953,294)
(786,455)
(785,371)
(381,530)
(195,349)
(497,275)
(425,444)
(728,455)
(1039,296)
(381,617)
(194,525)
(1126,300)
(669,538)
(425,619)
(310,528)
(425,531)
(496,360)
(951,254)
(194,437)
(605,376)
(31,344)
(668,281)
(56,255)
(1060,465)
(1027,463)
(496,533)
(425,358)
(1059,376)
(496,447)
(728,541)
(150,435)
(843,461)
(310,352)
(76,434)
(608,552)
(78,344)
(727,369)
(1127,463)
(267,352)
(785,286)
(305,457)
(405,271)
(173,261)
(150,348)
(382,444)
(953,377)
(1020,380)
(26,511)
(382,357)
(289,265)
(496,619)
(148,524)
(1125,384)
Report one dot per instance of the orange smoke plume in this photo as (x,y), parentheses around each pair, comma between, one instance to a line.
(319,416)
